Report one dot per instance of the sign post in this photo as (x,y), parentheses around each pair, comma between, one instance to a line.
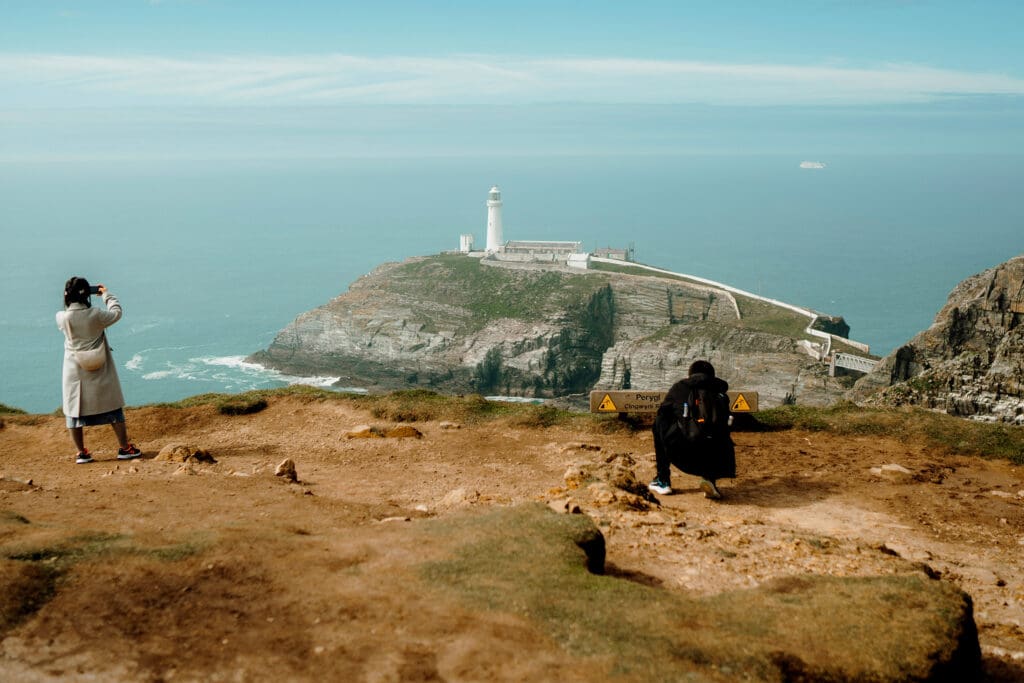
(629,401)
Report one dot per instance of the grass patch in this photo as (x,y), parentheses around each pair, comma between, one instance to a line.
(755,315)
(24,589)
(242,404)
(68,552)
(952,435)
(765,317)
(420,405)
(9,410)
(533,563)
(31,576)
(250,401)
(489,293)
(10,517)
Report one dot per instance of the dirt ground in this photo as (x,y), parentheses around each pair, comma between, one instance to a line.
(226,572)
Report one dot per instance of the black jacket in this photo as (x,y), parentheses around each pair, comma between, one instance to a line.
(711,463)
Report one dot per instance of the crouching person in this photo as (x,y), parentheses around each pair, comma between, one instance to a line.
(691,431)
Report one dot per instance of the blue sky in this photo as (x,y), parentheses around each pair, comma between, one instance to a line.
(218,78)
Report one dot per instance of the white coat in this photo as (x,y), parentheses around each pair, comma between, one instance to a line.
(89,392)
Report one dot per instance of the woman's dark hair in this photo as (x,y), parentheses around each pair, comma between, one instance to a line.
(702,367)
(76,291)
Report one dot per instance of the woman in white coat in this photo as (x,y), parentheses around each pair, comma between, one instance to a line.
(91,389)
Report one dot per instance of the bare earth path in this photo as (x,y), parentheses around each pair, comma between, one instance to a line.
(258,579)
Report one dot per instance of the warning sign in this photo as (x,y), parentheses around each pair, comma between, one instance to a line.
(625,401)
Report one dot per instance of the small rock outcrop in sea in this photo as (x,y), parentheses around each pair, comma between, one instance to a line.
(970,362)
(459,324)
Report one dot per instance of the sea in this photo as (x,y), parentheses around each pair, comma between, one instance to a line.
(210,259)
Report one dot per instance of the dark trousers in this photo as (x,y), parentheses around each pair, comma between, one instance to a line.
(716,461)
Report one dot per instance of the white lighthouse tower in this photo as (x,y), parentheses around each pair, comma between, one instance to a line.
(494,241)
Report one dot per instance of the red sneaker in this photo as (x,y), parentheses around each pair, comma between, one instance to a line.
(129,453)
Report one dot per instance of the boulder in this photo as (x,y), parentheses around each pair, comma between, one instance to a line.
(404,432)
(364,432)
(286,469)
(178,452)
(893,472)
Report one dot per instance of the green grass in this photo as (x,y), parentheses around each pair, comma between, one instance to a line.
(412,405)
(24,589)
(31,575)
(8,410)
(84,547)
(754,314)
(489,293)
(252,401)
(952,435)
(764,317)
(532,563)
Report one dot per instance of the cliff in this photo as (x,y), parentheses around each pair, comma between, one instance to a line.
(970,362)
(458,324)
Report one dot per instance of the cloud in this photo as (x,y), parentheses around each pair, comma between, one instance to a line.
(83,80)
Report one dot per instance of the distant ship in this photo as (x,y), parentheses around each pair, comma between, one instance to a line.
(811,164)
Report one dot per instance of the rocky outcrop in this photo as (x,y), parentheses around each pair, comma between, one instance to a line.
(970,362)
(459,324)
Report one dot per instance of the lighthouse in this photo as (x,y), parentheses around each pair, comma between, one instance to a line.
(494,242)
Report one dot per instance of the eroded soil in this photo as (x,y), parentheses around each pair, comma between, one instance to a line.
(226,572)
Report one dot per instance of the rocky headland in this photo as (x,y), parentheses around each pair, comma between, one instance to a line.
(459,324)
(970,362)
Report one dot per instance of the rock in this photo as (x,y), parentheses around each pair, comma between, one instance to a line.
(404,432)
(459,497)
(364,432)
(601,493)
(177,452)
(970,362)
(417,323)
(576,447)
(565,505)
(449,425)
(1000,494)
(576,475)
(286,469)
(893,472)
(185,468)
(906,552)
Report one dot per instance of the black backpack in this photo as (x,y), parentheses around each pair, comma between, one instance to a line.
(702,419)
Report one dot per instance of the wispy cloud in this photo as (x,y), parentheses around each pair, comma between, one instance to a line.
(81,80)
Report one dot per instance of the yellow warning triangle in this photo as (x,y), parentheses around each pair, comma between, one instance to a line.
(740,405)
(607,404)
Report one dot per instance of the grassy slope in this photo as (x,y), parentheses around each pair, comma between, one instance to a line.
(938,431)
(528,561)
(756,315)
(489,293)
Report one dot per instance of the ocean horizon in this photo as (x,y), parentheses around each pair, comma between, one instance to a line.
(210,259)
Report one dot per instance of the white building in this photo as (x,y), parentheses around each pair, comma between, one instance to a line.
(532,251)
(494,238)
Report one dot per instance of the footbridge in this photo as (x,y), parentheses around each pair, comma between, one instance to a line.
(850,362)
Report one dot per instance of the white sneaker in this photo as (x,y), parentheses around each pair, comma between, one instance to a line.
(660,488)
(83,458)
(710,490)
